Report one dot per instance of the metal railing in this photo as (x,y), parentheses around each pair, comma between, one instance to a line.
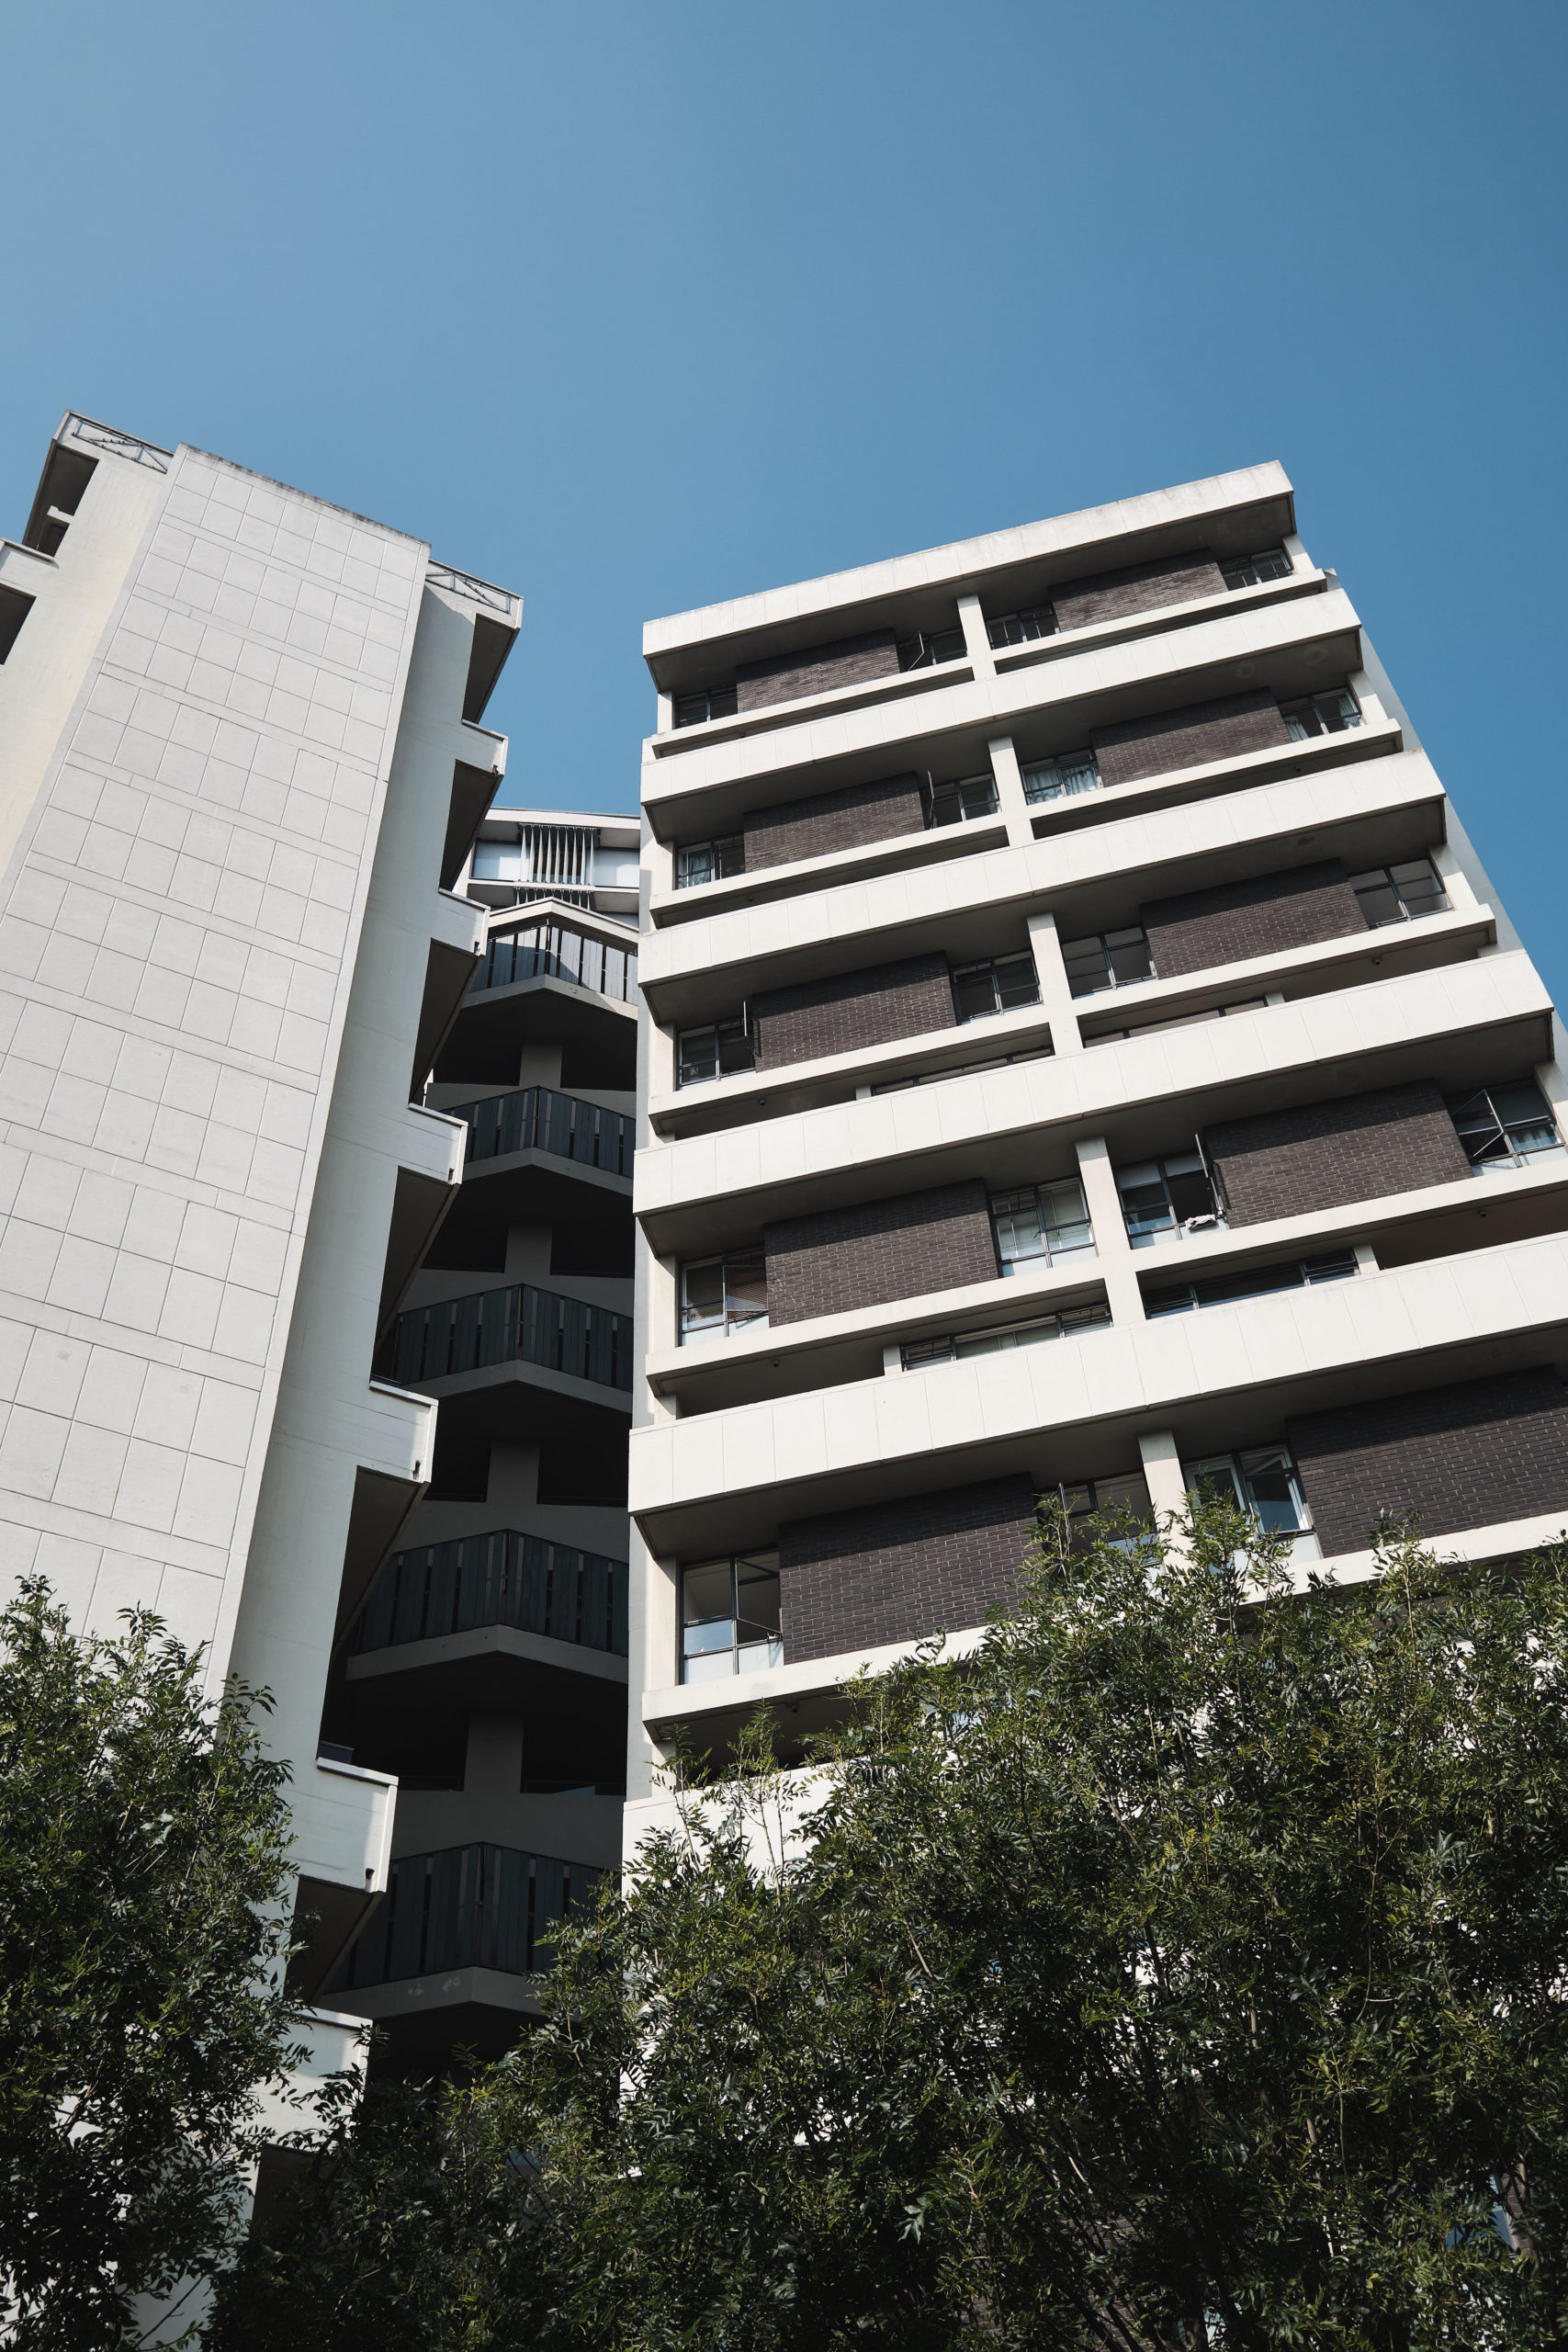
(555,951)
(517,1324)
(535,1118)
(504,1577)
(469,1907)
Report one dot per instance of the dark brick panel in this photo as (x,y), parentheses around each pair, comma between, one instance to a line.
(1138,588)
(1317,1155)
(832,821)
(816,670)
(896,1570)
(1190,738)
(851,1011)
(878,1251)
(1467,1455)
(1262,916)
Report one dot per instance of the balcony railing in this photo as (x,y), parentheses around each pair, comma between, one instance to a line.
(469,1907)
(535,1118)
(517,1324)
(556,952)
(502,1578)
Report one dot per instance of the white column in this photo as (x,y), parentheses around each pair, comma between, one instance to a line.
(1366,1258)
(1162,1472)
(892,1357)
(1111,1245)
(1455,880)
(1056,991)
(666,713)
(1010,791)
(976,642)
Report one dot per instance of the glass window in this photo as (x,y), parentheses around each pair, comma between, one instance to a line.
(729,1617)
(694,710)
(1502,1126)
(1040,1223)
(713,1052)
(1253,1282)
(1108,959)
(961,1070)
(1398,893)
(969,796)
(1084,1502)
(1021,629)
(1001,986)
(722,1295)
(709,861)
(1252,570)
(956,1347)
(928,647)
(1061,777)
(1261,1481)
(1161,1196)
(1325,714)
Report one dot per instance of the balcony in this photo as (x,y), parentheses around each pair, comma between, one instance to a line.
(469,1907)
(554,951)
(535,1118)
(514,1325)
(502,1578)
(1470,1019)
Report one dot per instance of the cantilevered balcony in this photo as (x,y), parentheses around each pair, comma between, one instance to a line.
(469,1907)
(514,1325)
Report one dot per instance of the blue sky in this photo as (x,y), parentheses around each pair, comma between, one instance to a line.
(634,306)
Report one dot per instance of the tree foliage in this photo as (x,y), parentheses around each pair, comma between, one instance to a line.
(142,1871)
(1185,1967)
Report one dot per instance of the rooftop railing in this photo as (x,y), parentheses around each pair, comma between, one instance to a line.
(469,1907)
(517,1324)
(535,1118)
(504,1577)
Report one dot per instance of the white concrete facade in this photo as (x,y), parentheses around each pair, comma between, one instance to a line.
(1446,1283)
(239,757)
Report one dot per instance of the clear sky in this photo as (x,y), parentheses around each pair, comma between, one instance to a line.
(634,306)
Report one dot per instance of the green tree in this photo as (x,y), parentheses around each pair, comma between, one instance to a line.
(143,1839)
(1188,1966)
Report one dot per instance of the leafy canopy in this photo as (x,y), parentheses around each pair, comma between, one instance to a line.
(142,1927)
(1185,1967)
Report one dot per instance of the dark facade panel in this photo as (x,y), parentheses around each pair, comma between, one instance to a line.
(832,822)
(851,1011)
(1261,916)
(858,1578)
(1320,1155)
(1190,738)
(878,1251)
(1137,588)
(1469,1455)
(817,670)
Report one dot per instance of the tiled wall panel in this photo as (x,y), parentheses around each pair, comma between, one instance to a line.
(817,670)
(1190,738)
(1138,588)
(1263,916)
(1319,1154)
(896,1570)
(851,1011)
(175,949)
(1474,1455)
(832,822)
(879,1250)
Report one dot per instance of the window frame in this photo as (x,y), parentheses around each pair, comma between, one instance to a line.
(1517,1157)
(1076,773)
(993,966)
(1239,1465)
(1000,1205)
(767,1563)
(730,1319)
(723,869)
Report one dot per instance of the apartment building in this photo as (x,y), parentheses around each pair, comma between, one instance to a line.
(242,764)
(488,1671)
(1084,1058)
